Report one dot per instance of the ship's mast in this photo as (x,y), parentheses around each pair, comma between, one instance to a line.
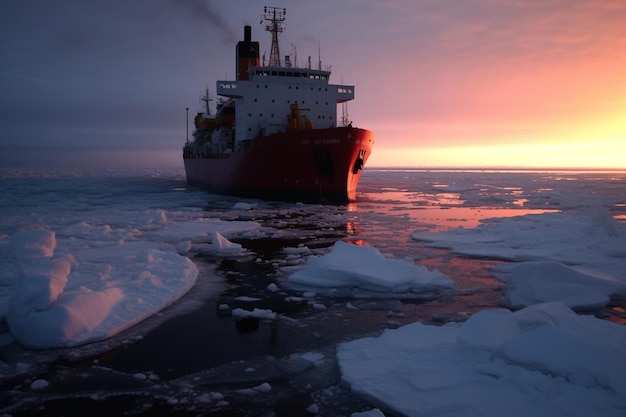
(275,16)
(206,98)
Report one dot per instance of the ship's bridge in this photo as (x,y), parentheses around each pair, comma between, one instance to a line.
(264,101)
(292,76)
(289,72)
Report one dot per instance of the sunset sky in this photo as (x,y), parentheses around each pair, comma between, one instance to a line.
(466,83)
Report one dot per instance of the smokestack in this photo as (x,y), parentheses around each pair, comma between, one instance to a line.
(247,54)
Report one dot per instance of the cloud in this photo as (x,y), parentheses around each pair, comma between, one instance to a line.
(103,63)
(460,70)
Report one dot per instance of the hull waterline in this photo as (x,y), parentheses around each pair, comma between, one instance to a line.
(322,165)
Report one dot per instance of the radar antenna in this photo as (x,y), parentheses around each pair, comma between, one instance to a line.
(275,16)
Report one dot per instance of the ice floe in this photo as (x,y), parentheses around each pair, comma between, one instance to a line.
(87,296)
(529,283)
(69,278)
(578,258)
(364,267)
(544,360)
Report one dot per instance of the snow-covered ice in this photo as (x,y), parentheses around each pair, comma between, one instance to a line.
(84,258)
(544,360)
(369,413)
(220,246)
(578,258)
(364,267)
(68,280)
(315,358)
(259,313)
(535,282)
(89,295)
(39,384)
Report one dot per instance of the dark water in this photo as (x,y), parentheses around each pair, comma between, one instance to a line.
(196,359)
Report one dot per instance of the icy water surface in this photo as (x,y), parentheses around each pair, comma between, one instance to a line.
(195,358)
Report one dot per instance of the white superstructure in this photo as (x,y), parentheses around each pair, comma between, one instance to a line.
(264,101)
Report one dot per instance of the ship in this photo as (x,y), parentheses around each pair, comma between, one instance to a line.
(275,133)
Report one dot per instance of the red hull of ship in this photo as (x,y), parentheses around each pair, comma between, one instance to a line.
(322,165)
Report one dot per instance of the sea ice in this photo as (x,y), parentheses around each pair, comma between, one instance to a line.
(222,246)
(259,313)
(369,413)
(529,283)
(71,276)
(300,250)
(544,360)
(25,244)
(364,267)
(39,384)
(89,295)
(83,268)
(578,258)
(315,358)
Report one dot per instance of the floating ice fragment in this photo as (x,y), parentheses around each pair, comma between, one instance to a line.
(246,298)
(315,358)
(216,396)
(264,387)
(223,245)
(39,384)
(375,412)
(219,246)
(204,398)
(209,397)
(257,313)
(364,267)
(249,392)
(300,250)
(243,206)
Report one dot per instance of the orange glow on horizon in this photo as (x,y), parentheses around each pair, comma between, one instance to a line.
(608,154)
(600,143)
